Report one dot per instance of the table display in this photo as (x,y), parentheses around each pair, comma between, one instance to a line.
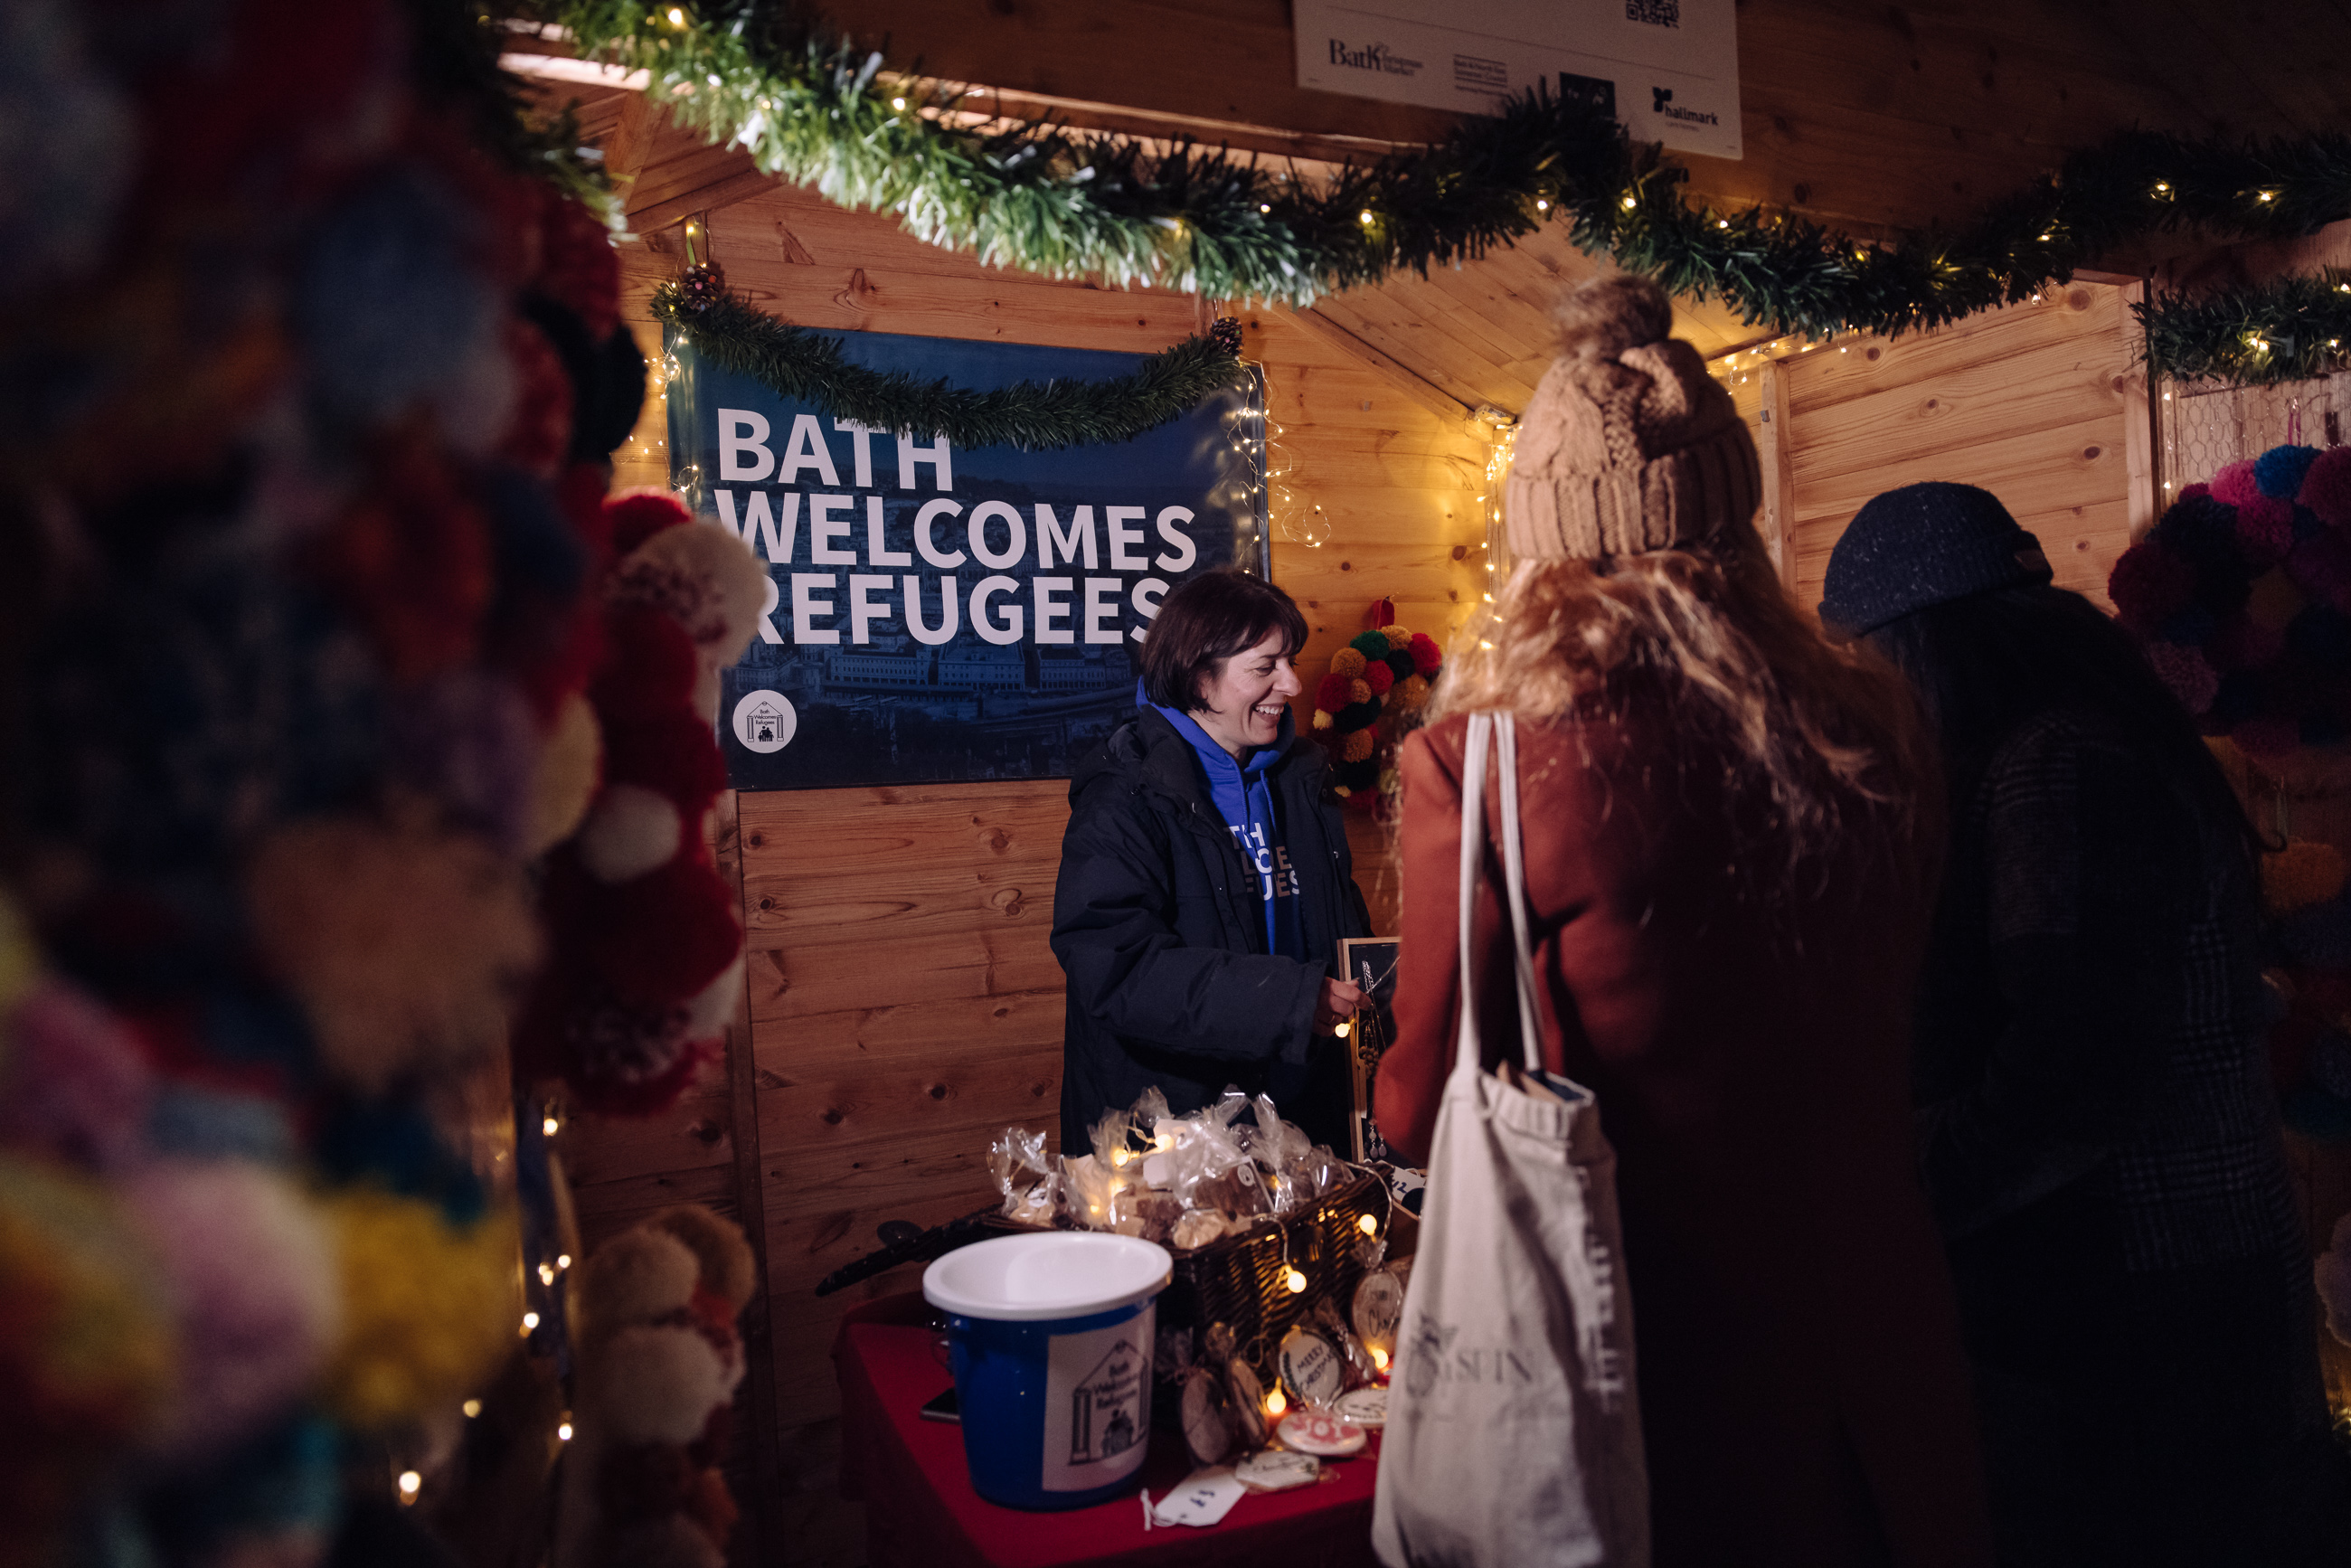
(923,1510)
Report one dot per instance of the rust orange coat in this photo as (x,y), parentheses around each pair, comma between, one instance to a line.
(1802,1383)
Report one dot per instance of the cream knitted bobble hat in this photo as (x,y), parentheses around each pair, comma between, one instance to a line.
(1628,445)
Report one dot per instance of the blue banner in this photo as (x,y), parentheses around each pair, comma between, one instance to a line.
(937,613)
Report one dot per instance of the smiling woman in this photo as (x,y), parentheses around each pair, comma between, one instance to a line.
(1206,880)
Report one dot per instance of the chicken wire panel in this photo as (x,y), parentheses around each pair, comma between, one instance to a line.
(2204,426)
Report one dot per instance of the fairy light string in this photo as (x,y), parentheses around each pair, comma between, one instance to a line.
(812,107)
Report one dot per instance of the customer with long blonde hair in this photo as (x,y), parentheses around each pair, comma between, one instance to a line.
(1728,825)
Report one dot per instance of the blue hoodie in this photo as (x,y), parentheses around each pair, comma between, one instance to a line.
(1245,801)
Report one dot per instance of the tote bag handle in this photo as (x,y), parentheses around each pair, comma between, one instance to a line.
(1501,732)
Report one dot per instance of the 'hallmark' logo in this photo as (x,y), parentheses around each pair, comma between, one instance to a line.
(1372,57)
(1662,102)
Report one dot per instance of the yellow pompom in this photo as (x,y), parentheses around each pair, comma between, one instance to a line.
(1357,746)
(1397,635)
(2302,873)
(1321,719)
(1347,661)
(1359,691)
(1412,691)
(88,1345)
(89,1314)
(428,1307)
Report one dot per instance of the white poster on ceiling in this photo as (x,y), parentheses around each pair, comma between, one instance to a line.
(1667,68)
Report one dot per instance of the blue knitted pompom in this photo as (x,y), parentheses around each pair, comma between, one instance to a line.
(2278,472)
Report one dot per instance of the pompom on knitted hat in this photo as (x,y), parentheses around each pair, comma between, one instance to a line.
(1628,445)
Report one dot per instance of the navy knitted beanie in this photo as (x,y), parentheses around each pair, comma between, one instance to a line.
(1924,545)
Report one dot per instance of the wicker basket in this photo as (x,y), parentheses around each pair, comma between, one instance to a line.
(1238,1279)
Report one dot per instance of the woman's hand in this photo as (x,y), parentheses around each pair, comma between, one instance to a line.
(1338,1002)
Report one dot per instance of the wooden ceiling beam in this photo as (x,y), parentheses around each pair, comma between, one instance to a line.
(1403,377)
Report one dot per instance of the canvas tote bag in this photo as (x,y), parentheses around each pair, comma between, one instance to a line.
(1513,1434)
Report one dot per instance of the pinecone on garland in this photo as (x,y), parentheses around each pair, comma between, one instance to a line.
(1227,335)
(700,287)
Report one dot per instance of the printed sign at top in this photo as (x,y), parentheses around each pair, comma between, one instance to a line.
(937,614)
(1668,69)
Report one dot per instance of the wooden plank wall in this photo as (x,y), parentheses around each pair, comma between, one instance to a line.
(2034,402)
(903,1004)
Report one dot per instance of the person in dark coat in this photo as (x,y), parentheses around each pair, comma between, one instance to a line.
(1206,881)
(1725,821)
(2097,1129)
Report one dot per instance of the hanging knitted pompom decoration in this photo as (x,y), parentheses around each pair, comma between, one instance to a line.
(1383,671)
(2240,598)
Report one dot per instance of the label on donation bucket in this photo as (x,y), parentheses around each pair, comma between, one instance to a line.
(1052,1336)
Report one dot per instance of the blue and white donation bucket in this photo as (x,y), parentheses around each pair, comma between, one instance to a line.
(1052,1336)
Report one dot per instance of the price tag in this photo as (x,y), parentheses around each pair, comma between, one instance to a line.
(1203,1499)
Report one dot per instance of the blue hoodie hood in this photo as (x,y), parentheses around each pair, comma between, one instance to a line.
(1243,797)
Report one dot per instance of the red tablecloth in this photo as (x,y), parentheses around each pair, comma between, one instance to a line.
(921,1512)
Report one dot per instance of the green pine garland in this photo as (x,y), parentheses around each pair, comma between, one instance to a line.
(813,110)
(2289,330)
(808,367)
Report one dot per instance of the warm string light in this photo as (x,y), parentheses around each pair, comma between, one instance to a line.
(472,1407)
(1379,1359)
(411,1483)
(547,1273)
(563,1430)
(1368,1226)
(1257,440)
(1295,1281)
(529,1322)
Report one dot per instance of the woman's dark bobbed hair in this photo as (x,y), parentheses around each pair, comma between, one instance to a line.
(1208,620)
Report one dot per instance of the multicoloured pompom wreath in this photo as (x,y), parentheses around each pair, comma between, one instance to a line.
(2242,598)
(1387,669)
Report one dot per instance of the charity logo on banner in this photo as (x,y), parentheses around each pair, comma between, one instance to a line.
(937,614)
